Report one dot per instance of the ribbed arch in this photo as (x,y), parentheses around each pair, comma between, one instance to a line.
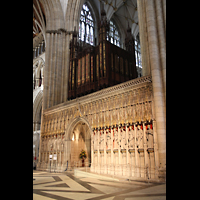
(54,14)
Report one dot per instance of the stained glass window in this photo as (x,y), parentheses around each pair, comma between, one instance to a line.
(86,25)
(138,52)
(114,34)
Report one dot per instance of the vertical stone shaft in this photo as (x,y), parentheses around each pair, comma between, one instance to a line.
(143,38)
(157,82)
(162,41)
(47,73)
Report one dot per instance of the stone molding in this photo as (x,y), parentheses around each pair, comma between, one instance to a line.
(59,31)
(104,93)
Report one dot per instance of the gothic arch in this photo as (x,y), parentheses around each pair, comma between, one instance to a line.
(38,64)
(120,29)
(72,8)
(112,11)
(72,124)
(54,14)
(38,60)
(40,69)
(73,13)
(95,15)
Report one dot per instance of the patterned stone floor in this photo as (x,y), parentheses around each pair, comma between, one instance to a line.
(48,186)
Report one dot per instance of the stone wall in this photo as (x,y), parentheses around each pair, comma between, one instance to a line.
(120,123)
(133,103)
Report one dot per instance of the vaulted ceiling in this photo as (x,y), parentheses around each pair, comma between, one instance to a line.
(39,20)
(124,11)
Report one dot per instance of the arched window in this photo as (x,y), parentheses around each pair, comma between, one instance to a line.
(114,34)
(86,25)
(138,52)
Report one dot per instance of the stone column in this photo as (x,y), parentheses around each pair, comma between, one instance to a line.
(66,68)
(104,148)
(157,81)
(67,152)
(59,72)
(136,154)
(143,38)
(152,12)
(46,73)
(156,153)
(126,142)
(62,62)
(55,72)
(164,11)
(50,59)
(146,158)
(111,148)
(53,69)
(41,140)
(119,149)
(127,153)
(162,41)
(98,153)
(92,149)
(60,152)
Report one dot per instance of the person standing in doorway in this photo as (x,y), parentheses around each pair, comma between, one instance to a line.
(67,165)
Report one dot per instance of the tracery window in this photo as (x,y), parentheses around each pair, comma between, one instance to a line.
(138,52)
(86,25)
(114,34)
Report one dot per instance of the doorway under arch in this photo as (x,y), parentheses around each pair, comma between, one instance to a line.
(80,140)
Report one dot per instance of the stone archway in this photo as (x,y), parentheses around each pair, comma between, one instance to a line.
(78,137)
(81,140)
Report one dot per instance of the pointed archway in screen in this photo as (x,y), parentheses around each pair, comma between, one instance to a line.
(78,136)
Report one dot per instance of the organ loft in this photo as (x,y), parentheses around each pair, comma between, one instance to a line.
(94,68)
(99,86)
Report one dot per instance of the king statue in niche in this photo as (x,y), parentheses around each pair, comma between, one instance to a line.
(149,136)
(139,137)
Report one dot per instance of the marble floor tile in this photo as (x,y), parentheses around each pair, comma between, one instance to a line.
(65,186)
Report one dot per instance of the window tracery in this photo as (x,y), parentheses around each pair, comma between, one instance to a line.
(138,57)
(114,35)
(86,25)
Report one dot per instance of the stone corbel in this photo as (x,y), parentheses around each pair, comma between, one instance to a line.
(150,150)
(115,151)
(123,151)
(108,151)
(140,150)
(131,151)
(101,151)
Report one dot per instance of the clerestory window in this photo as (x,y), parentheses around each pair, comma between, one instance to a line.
(138,52)
(86,25)
(114,36)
